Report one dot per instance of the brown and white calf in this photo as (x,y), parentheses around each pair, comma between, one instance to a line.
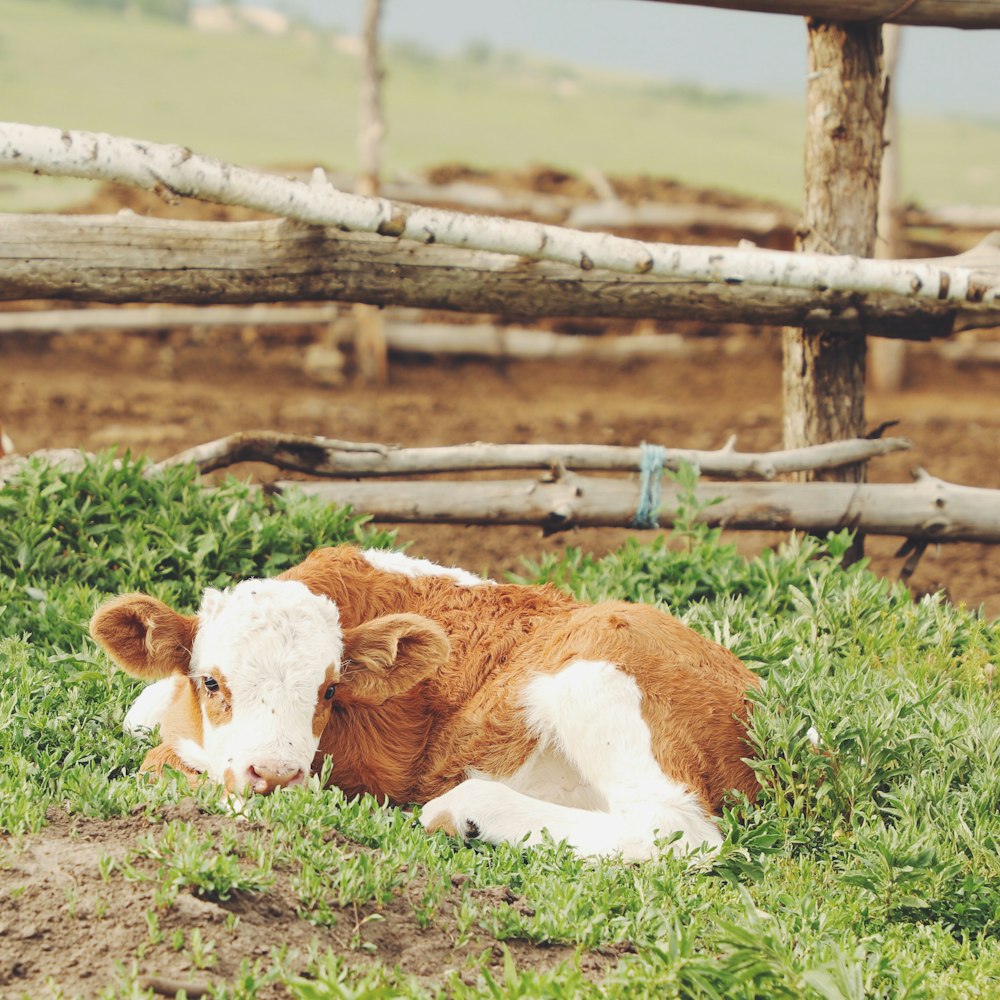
(504,710)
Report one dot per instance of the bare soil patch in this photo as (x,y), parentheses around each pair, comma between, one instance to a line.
(66,923)
(159,394)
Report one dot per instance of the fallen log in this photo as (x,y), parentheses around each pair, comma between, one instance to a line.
(963,353)
(656,215)
(929,508)
(984,217)
(321,456)
(608,211)
(128,258)
(470,196)
(495,341)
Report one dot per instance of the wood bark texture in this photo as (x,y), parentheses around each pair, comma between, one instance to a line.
(887,356)
(928,509)
(70,321)
(942,13)
(414,337)
(321,456)
(823,376)
(370,348)
(127,258)
(371,124)
(177,169)
(608,212)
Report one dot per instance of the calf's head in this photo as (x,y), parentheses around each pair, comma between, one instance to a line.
(260,668)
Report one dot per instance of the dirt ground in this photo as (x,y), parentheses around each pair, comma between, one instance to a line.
(72,923)
(160,393)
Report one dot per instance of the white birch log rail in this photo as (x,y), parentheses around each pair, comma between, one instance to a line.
(176,169)
(322,456)
(929,509)
(940,13)
(611,212)
(607,212)
(128,258)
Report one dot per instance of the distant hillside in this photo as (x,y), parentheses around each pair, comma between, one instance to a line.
(292,99)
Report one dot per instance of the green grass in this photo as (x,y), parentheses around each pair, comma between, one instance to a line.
(869,869)
(279,101)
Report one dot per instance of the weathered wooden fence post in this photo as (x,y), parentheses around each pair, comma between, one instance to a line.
(372,354)
(824,373)
(887,355)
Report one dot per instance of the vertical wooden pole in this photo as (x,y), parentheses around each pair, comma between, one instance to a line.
(369,339)
(824,374)
(371,128)
(887,356)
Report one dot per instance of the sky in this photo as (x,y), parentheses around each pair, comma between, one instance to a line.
(941,69)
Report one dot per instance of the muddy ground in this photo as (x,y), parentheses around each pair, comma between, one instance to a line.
(163,392)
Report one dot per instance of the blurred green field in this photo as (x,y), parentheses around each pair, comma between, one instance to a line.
(293,100)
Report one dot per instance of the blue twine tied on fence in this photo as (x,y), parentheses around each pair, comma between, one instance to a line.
(652,459)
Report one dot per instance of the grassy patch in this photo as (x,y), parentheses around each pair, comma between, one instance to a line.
(867,868)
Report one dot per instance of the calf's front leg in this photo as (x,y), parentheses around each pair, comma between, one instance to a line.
(490,811)
(163,756)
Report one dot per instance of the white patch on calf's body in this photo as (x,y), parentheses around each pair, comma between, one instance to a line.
(592,781)
(398,562)
(148,709)
(548,775)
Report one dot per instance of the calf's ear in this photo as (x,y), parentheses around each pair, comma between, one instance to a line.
(389,655)
(144,636)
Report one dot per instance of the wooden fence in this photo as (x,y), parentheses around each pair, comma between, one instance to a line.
(335,246)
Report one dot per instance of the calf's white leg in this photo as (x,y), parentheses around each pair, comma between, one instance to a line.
(150,706)
(589,715)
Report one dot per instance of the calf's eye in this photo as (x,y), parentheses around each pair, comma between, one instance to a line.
(211,685)
(330,692)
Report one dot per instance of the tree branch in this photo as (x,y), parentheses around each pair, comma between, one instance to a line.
(943,13)
(328,457)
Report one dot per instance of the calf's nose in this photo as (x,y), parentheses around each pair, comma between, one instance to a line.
(267,776)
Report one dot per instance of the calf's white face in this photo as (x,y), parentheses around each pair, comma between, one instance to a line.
(265,663)
(247,686)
